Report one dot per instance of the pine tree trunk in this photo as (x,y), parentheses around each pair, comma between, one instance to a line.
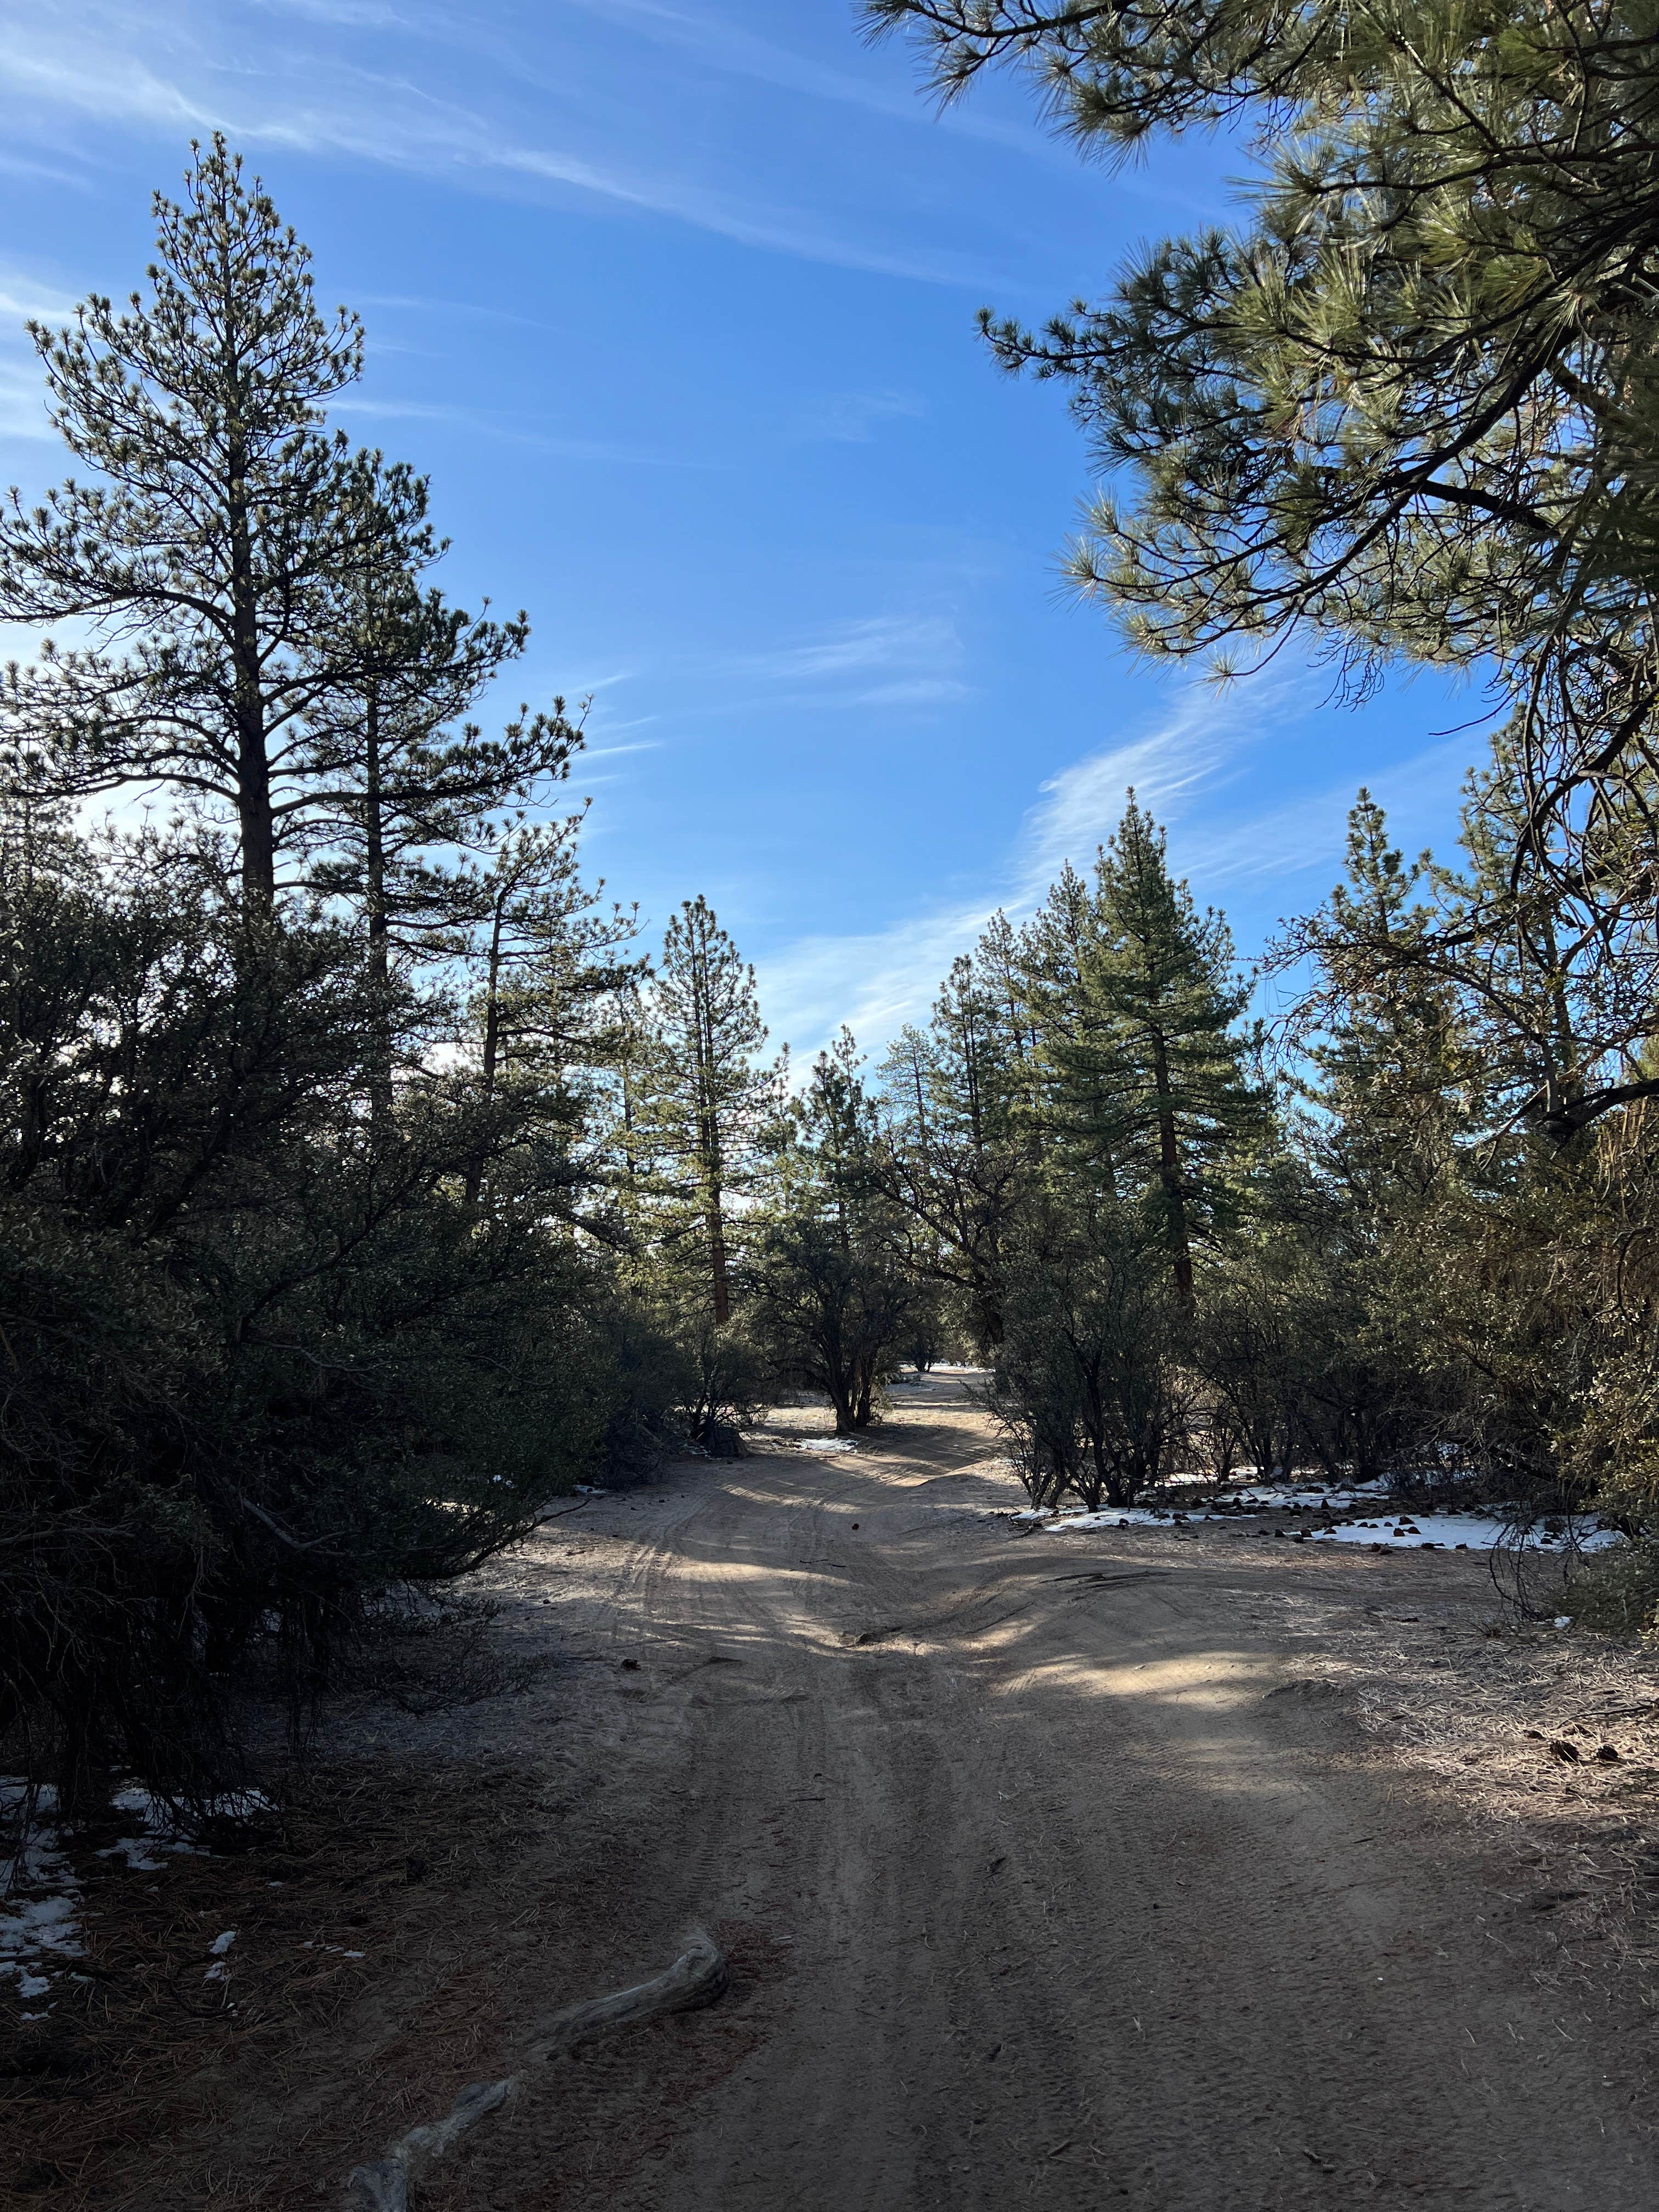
(708,1142)
(717,1263)
(252,765)
(1169,1169)
(492,1046)
(841,1399)
(379,965)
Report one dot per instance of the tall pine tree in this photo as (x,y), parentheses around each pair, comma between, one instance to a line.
(1153,1081)
(211,557)
(709,1093)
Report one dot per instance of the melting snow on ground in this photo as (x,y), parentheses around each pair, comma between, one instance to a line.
(39,1933)
(40,1897)
(825,1444)
(1340,1517)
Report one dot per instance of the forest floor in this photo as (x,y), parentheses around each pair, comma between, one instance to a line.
(1174,1869)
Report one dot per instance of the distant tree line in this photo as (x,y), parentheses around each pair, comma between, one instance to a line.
(1406,410)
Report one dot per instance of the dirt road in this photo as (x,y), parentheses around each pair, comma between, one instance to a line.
(1047,1876)
(1071,1890)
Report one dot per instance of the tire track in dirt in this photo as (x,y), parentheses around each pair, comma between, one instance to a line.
(1069,1907)
(1046,1875)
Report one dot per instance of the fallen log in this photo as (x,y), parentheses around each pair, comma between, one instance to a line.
(696,1978)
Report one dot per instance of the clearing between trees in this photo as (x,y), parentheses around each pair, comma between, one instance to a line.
(1174,1869)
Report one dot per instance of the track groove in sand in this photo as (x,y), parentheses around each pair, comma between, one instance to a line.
(1051,1871)
(1070,1903)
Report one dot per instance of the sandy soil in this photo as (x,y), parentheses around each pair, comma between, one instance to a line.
(1190,1872)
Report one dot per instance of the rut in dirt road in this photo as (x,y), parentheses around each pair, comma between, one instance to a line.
(1072,1892)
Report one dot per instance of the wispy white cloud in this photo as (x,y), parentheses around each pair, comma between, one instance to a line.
(349,15)
(506,429)
(737,52)
(1307,833)
(23,300)
(138,64)
(915,691)
(615,752)
(1081,805)
(22,388)
(730,48)
(50,172)
(22,408)
(896,972)
(905,650)
(417,303)
(850,418)
(400,411)
(774,227)
(61,66)
(875,982)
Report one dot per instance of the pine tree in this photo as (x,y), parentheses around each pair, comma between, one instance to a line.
(955,1153)
(395,772)
(1393,1074)
(545,950)
(1414,401)
(709,1096)
(211,559)
(1154,1081)
(833,1294)
(394,795)
(1056,949)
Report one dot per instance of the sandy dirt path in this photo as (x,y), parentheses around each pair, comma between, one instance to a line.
(1071,1891)
(1052,1870)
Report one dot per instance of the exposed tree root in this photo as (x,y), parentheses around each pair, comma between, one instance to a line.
(696,1978)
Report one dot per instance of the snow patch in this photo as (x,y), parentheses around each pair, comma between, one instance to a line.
(1395,1532)
(40,1928)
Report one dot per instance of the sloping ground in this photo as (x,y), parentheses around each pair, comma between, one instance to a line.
(1182,1871)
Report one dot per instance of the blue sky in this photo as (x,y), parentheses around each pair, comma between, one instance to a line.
(674,301)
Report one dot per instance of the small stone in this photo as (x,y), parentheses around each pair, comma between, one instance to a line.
(1568,1754)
